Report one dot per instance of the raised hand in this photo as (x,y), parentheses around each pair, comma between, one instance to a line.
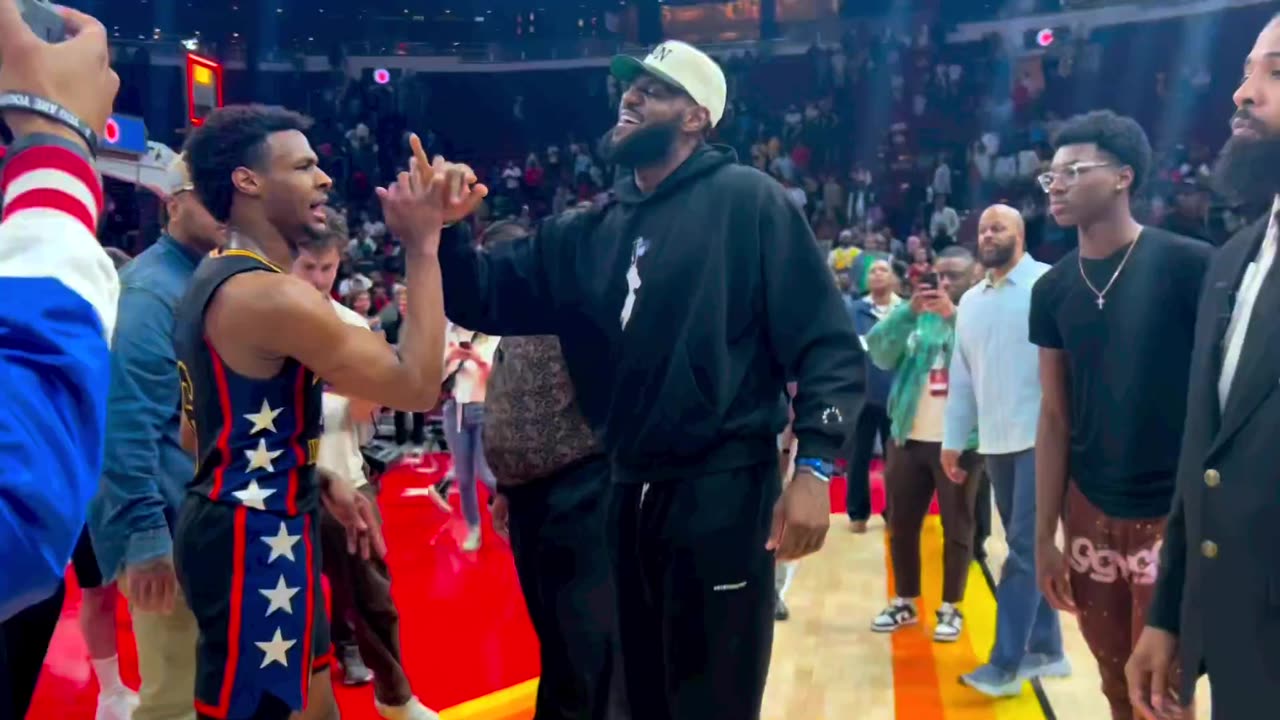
(75,73)
(464,194)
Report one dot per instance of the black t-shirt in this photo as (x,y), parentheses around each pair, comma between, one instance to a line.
(1128,362)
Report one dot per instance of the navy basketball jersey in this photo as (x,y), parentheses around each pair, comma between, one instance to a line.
(257,438)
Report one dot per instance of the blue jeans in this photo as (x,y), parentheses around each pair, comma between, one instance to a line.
(467,448)
(1024,620)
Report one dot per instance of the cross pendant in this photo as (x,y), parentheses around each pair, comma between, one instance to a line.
(1101,302)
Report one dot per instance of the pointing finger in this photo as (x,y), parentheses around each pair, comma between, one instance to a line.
(420,155)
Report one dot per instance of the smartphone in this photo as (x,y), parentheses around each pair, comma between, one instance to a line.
(43,19)
(930,279)
(465,344)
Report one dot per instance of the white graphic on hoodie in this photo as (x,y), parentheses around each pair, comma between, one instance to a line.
(638,249)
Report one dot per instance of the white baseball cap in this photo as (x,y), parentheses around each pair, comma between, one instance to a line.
(177,178)
(683,66)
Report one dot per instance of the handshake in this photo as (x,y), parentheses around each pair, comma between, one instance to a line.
(428,197)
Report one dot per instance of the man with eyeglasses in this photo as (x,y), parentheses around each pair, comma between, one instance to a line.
(1114,320)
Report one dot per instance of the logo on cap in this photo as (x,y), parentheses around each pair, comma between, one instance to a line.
(661,52)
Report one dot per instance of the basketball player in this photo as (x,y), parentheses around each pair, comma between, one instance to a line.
(682,307)
(1215,603)
(1114,321)
(252,344)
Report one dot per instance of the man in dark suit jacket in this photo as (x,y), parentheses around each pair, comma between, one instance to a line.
(1217,602)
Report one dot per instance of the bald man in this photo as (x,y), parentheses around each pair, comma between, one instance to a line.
(995,390)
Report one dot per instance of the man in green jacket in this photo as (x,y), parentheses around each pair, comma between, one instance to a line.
(915,341)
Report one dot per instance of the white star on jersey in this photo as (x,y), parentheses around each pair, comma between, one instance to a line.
(253,495)
(264,419)
(281,597)
(276,650)
(260,457)
(281,544)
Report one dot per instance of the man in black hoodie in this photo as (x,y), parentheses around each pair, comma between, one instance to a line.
(681,307)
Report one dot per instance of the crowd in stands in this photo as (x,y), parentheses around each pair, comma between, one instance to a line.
(887,140)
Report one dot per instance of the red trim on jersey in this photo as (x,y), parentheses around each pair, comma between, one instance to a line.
(299,453)
(224,437)
(233,623)
(323,662)
(311,610)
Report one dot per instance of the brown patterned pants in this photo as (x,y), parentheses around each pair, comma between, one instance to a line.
(1113,573)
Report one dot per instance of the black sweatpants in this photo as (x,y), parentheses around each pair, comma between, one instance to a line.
(695,592)
(872,422)
(25,637)
(558,539)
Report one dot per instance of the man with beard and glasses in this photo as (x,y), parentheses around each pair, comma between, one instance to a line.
(1215,602)
(683,306)
(1114,320)
(995,389)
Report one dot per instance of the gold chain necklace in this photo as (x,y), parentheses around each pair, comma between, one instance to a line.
(1102,294)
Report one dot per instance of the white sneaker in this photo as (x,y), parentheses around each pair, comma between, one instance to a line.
(412,710)
(116,705)
(950,624)
(472,543)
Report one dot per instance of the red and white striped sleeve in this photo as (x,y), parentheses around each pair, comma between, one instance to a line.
(52,202)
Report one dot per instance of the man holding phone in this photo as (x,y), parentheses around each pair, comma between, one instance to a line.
(915,341)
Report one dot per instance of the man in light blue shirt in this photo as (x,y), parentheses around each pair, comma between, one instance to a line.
(995,385)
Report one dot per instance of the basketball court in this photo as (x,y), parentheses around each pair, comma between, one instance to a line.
(470,650)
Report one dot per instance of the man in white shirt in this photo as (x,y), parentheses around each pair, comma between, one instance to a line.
(361,588)
(944,223)
(995,389)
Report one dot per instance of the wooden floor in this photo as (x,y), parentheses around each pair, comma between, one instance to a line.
(828,665)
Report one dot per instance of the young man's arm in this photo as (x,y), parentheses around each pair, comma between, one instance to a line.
(60,292)
(1053,447)
(282,316)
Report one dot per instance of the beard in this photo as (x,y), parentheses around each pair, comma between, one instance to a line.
(645,145)
(1248,169)
(995,256)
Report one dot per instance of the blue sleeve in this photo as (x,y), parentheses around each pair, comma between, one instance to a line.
(54,373)
(144,392)
(961,415)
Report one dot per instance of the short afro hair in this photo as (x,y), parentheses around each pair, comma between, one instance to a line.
(231,137)
(1119,136)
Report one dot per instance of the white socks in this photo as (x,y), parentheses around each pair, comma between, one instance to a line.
(108,672)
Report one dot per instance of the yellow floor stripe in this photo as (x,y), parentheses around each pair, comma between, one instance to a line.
(513,703)
(973,648)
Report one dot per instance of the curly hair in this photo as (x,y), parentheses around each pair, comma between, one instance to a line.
(1119,136)
(231,137)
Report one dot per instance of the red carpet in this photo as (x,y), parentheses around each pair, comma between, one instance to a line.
(464,629)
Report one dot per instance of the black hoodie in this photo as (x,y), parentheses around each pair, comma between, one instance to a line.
(734,299)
